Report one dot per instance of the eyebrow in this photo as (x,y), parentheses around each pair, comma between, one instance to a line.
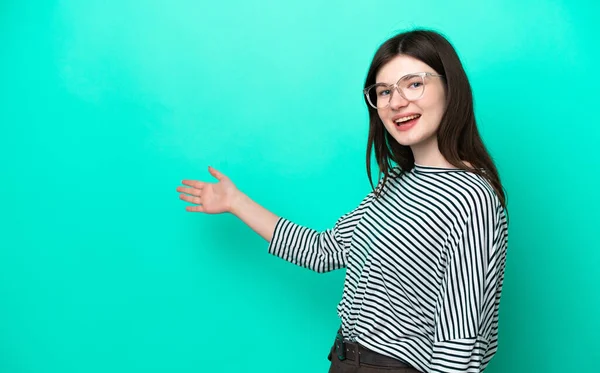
(403,76)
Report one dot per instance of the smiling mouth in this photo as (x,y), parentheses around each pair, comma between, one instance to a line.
(407,120)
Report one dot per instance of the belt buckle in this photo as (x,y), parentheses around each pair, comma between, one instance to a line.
(340,347)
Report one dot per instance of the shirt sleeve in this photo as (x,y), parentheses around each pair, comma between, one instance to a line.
(319,251)
(466,321)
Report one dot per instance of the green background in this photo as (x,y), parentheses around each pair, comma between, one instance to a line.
(106,106)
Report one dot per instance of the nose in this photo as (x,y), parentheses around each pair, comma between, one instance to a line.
(397,101)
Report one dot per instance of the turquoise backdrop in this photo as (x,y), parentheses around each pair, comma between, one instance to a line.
(105,106)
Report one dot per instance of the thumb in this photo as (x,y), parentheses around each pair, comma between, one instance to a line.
(216,174)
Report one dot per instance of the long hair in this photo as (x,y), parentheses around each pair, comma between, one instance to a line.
(458,138)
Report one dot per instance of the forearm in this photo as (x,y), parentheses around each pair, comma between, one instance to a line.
(259,219)
(318,251)
(308,248)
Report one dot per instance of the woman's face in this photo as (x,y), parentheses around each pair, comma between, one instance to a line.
(419,133)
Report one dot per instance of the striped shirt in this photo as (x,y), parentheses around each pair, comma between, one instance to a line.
(424,267)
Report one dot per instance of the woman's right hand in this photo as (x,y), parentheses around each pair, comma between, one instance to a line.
(224,196)
(210,198)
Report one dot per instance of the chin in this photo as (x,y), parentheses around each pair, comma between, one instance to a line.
(405,141)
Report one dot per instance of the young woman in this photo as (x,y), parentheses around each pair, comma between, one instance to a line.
(425,250)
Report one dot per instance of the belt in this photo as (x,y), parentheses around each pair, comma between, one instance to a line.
(355,352)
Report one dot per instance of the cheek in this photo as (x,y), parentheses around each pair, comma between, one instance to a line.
(436,108)
(435,111)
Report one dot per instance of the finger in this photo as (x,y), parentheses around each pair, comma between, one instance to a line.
(190,199)
(195,208)
(191,191)
(217,175)
(193,183)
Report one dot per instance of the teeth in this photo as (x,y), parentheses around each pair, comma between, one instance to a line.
(401,120)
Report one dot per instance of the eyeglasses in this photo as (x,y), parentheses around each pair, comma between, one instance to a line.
(410,86)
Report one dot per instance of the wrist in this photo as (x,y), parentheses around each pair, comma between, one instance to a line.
(238,201)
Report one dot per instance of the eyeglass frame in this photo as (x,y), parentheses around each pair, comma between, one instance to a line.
(397,88)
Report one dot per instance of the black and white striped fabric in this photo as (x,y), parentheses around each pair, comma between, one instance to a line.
(425,265)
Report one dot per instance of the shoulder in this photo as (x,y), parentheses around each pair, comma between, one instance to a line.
(476,187)
(474,195)
(471,195)
(394,172)
(383,182)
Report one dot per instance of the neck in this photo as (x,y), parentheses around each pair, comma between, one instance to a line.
(429,155)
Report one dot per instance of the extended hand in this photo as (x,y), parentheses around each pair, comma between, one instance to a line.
(210,198)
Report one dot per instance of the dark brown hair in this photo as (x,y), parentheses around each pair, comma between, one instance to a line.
(458,138)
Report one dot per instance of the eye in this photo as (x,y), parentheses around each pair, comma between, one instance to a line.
(383,92)
(412,82)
